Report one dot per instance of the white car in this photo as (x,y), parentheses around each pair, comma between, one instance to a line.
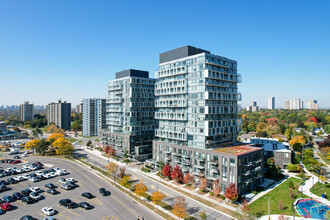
(26,176)
(59,173)
(27,169)
(25,155)
(47,175)
(20,170)
(19,178)
(35,196)
(66,186)
(35,189)
(53,174)
(56,168)
(34,179)
(26,166)
(39,173)
(48,211)
(8,169)
(71,180)
(62,180)
(65,172)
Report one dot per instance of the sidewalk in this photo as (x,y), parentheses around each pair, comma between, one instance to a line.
(308,185)
(181,187)
(276,217)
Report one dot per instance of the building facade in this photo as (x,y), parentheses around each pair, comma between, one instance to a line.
(93,116)
(26,112)
(60,114)
(287,104)
(79,108)
(3,127)
(130,113)
(312,104)
(271,102)
(253,107)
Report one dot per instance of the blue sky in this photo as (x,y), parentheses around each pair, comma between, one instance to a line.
(70,49)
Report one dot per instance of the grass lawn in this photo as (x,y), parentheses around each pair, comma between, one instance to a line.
(324,158)
(260,206)
(320,188)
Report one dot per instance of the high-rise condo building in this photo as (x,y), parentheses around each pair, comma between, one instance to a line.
(26,112)
(93,116)
(287,104)
(271,102)
(196,114)
(130,114)
(79,108)
(294,104)
(312,104)
(253,107)
(60,114)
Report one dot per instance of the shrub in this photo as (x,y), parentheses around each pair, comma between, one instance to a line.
(291,186)
(221,197)
(145,169)
(211,193)
(301,175)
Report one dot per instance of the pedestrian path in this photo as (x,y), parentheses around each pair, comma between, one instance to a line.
(286,217)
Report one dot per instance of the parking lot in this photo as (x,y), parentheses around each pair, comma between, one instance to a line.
(115,206)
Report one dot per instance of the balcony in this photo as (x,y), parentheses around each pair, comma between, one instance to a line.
(199,167)
(176,154)
(211,178)
(215,162)
(186,156)
(186,163)
(247,173)
(167,152)
(214,171)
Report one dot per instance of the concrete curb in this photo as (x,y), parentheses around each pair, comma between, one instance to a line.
(100,175)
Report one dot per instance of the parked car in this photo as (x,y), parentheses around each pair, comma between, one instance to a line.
(16,161)
(88,195)
(48,211)
(35,196)
(2,212)
(104,192)
(62,180)
(8,198)
(52,191)
(27,217)
(71,180)
(26,192)
(5,206)
(11,180)
(16,157)
(27,199)
(3,182)
(17,195)
(67,203)
(34,179)
(50,186)
(35,189)
(66,186)
(85,205)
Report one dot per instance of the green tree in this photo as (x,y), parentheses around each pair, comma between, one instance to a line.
(202,215)
(42,146)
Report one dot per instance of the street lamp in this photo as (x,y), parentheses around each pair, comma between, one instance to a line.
(268,208)
(292,196)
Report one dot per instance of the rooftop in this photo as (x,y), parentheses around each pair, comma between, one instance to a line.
(237,150)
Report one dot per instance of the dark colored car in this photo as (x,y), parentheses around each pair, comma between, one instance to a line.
(87,195)
(104,192)
(26,192)
(27,199)
(38,163)
(26,217)
(17,195)
(3,188)
(50,186)
(8,198)
(33,175)
(2,212)
(52,191)
(67,203)
(16,161)
(6,173)
(3,182)
(5,206)
(11,180)
(85,205)
(16,157)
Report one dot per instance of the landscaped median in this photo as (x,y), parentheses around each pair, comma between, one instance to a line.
(145,200)
(279,199)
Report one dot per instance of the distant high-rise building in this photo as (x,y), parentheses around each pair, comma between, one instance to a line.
(287,104)
(312,104)
(60,114)
(271,102)
(79,108)
(93,116)
(253,107)
(130,114)
(26,112)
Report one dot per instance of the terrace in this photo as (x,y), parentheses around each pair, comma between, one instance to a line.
(237,150)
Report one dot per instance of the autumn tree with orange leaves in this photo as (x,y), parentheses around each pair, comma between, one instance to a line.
(180,207)
(203,184)
(157,197)
(140,189)
(167,170)
(188,179)
(216,188)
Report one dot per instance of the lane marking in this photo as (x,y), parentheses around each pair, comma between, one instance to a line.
(60,214)
(85,176)
(42,214)
(124,206)
(67,210)
(21,203)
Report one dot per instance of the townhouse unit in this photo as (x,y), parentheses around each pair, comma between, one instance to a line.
(130,114)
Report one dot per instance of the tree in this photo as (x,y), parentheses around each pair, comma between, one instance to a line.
(231,192)
(89,143)
(298,139)
(216,188)
(126,181)
(53,137)
(288,133)
(202,215)
(31,144)
(261,134)
(203,184)
(261,126)
(112,169)
(36,132)
(122,172)
(322,178)
(245,207)
(42,146)
(76,126)
(109,150)
(177,174)
(140,189)
(167,170)
(180,207)
(16,129)
(291,186)
(63,147)
(52,128)
(188,179)
(157,197)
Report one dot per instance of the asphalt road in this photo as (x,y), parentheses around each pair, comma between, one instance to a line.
(193,207)
(117,206)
